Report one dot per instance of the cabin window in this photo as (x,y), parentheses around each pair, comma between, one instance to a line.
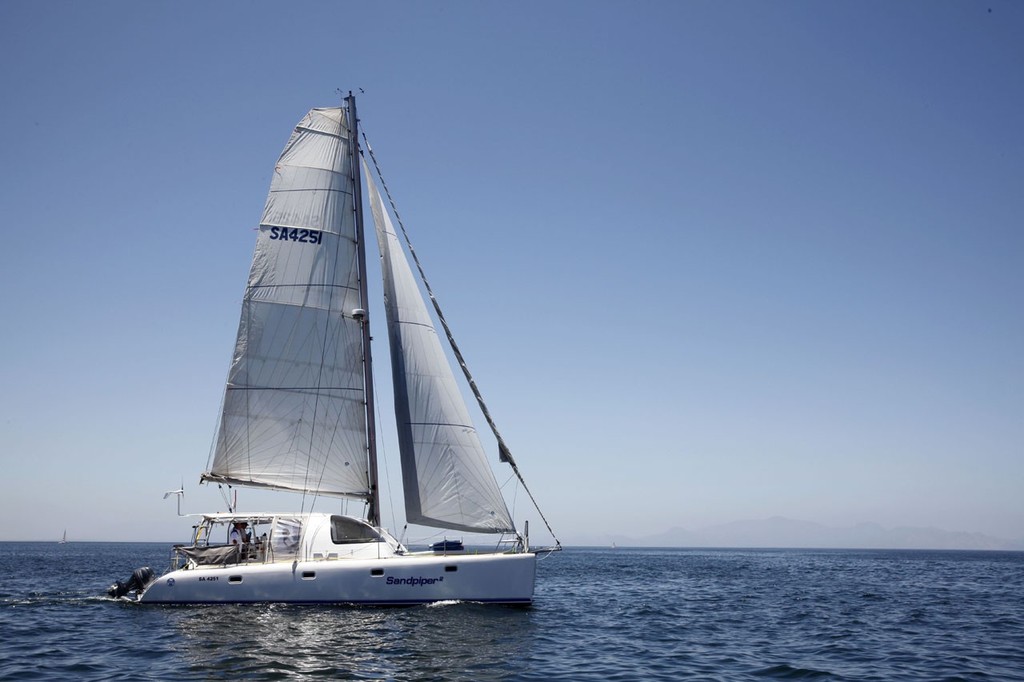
(284,539)
(345,531)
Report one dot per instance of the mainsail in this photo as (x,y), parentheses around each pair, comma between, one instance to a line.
(448,482)
(294,414)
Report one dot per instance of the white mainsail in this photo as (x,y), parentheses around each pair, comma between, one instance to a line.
(448,482)
(294,408)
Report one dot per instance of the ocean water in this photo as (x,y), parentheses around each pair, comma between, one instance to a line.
(600,614)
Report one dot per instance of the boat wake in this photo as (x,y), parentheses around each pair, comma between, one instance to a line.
(444,602)
(50,600)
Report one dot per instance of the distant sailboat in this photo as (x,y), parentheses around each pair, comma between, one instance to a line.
(64,538)
(298,415)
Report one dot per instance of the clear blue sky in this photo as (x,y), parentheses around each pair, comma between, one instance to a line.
(709,261)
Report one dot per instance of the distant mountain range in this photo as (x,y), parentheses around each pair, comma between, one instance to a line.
(782,532)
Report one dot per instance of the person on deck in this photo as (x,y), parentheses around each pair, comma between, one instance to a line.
(238,534)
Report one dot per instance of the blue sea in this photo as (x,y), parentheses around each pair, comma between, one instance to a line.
(600,614)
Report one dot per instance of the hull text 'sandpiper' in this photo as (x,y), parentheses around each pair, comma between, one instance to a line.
(298,416)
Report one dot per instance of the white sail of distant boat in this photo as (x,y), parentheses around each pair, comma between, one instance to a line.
(298,415)
(64,538)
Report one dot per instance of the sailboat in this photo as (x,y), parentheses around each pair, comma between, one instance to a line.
(298,415)
(64,538)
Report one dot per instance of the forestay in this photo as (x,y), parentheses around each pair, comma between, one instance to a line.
(447,479)
(294,408)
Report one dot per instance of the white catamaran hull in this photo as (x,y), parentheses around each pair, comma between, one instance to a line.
(411,579)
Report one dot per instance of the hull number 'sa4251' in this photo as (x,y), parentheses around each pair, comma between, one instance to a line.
(295,234)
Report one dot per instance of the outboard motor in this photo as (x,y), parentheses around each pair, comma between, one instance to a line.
(141,577)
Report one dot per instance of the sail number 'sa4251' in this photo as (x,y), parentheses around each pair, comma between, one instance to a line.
(295,234)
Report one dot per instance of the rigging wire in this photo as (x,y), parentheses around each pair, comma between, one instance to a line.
(383,456)
(504,454)
(226,496)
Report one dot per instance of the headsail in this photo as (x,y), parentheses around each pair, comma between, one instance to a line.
(448,482)
(294,408)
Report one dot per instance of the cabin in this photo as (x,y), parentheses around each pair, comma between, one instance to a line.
(256,538)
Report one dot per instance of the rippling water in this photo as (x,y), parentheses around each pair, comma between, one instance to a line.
(599,615)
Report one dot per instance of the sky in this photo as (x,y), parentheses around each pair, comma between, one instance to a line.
(708,261)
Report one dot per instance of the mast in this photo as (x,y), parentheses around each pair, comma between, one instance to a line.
(373,514)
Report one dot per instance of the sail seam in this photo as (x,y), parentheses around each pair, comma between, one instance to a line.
(295,388)
(306,166)
(310,189)
(461,426)
(305,286)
